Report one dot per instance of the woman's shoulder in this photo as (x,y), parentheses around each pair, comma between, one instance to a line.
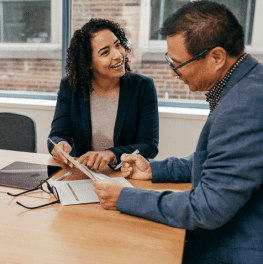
(139,85)
(65,90)
(138,77)
(65,82)
(137,81)
(65,85)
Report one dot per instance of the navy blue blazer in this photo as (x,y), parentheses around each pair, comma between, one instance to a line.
(136,126)
(224,209)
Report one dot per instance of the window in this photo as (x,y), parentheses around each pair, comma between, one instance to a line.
(30,46)
(243,10)
(152,46)
(26,21)
(160,10)
(30,29)
(31,60)
(156,11)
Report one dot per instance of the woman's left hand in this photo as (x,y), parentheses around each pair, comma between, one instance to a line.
(96,160)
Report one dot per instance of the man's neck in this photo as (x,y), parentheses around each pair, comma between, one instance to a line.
(230,62)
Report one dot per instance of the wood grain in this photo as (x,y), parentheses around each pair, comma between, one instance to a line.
(81,233)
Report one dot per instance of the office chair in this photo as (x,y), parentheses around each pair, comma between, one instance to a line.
(17,132)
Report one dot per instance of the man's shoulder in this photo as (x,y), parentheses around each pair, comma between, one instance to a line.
(246,84)
(250,87)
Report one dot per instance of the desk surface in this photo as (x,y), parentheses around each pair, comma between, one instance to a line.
(81,233)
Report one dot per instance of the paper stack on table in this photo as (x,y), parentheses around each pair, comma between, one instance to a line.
(81,191)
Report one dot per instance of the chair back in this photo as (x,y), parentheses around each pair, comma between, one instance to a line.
(17,132)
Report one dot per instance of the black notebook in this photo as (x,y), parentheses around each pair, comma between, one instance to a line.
(26,175)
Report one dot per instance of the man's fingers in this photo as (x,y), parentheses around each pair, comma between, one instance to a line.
(126,174)
(126,165)
(130,157)
(126,171)
(99,185)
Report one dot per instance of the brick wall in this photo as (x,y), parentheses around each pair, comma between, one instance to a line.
(44,75)
(165,82)
(30,75)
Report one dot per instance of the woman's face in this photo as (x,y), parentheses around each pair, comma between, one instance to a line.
(108,55)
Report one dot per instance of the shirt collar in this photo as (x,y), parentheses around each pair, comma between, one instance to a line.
(213,96)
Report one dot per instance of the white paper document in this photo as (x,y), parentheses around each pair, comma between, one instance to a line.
(82,191)
(81,167)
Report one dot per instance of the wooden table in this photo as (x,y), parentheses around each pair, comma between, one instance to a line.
(81,233)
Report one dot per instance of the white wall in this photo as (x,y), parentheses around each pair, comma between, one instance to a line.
(179,127)
(179,130)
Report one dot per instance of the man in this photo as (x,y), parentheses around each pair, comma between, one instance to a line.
(223,213)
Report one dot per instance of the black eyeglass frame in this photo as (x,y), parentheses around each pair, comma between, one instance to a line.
(170,61)
(52,190)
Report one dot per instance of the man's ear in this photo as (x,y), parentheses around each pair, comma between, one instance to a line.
(219,57)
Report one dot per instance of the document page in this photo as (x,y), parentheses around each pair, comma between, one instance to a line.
(81,167)
(81,191)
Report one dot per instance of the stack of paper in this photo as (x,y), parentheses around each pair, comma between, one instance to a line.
(81,191)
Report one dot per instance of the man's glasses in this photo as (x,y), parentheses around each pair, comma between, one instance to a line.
(45,187)
(170,61)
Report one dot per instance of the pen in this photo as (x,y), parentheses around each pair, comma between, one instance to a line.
(118,166)
(63,176)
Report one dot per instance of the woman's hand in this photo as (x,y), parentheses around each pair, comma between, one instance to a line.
(136,167)
(96,160)
(58,156)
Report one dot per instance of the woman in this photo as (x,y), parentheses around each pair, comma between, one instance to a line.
(103,110)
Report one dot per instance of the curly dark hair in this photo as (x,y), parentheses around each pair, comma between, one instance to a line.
(79,57)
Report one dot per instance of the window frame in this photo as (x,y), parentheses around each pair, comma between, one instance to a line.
(50,50)
(154,50)
(66,33)
(157,47)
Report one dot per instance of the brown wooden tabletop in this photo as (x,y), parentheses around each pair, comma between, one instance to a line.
(81,233)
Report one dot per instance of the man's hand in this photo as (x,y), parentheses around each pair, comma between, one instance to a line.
(136,167)
(96,160)
(58,156)
(108,192)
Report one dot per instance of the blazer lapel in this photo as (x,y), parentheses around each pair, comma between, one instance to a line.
(86,119)
(123,106)
(238,74)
